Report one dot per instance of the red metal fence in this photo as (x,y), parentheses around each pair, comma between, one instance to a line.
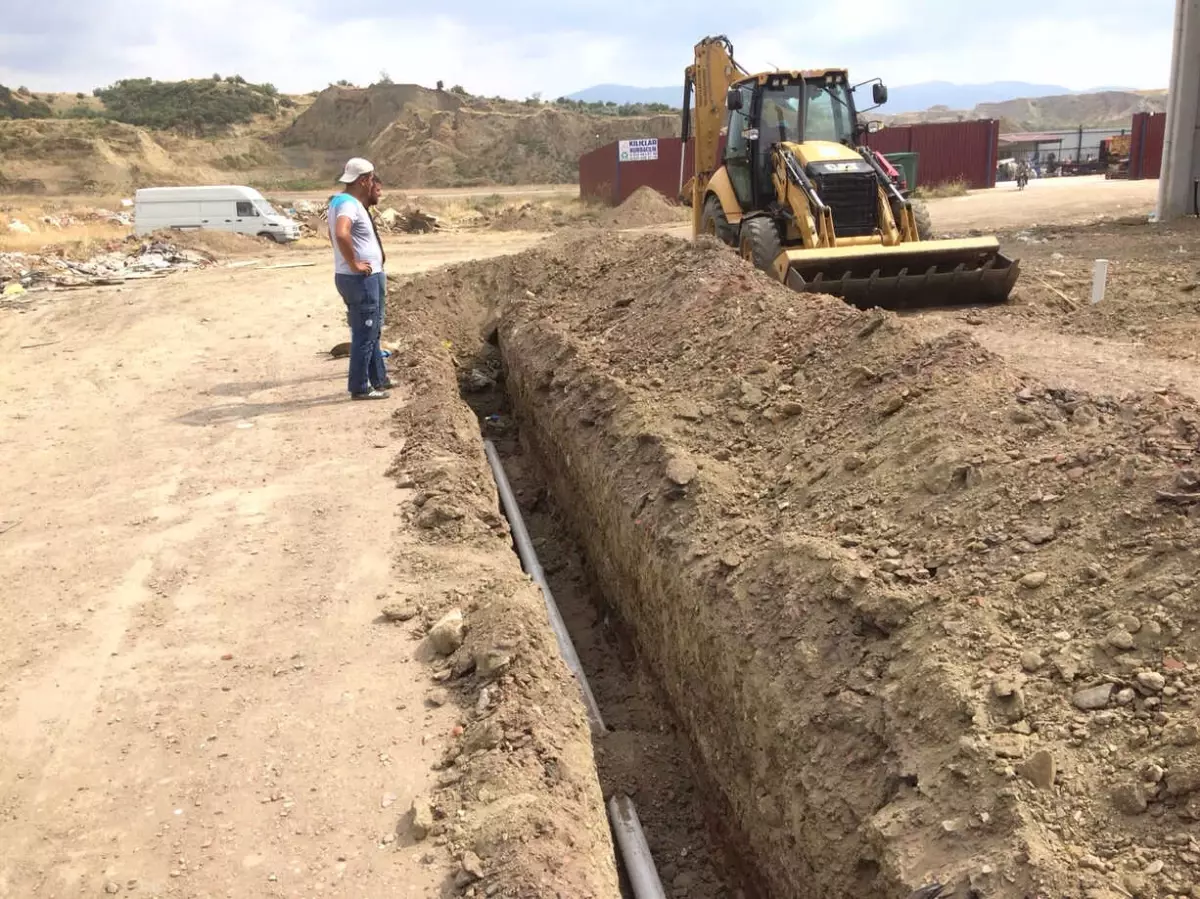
(1146,146)
(604,177)
(947,151)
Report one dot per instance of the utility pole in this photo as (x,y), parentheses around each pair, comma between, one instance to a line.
(1181,148)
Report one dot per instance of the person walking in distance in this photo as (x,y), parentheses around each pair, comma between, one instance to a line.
(358,259)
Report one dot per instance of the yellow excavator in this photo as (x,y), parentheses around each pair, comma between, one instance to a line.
(782,176)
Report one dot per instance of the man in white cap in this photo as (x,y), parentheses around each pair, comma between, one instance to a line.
(358,259)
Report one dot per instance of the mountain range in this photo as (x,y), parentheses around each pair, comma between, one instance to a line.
(905,98)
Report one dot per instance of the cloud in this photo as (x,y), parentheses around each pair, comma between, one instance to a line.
(521,46)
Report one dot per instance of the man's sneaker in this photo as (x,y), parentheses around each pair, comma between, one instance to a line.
(370,395)
(389,384)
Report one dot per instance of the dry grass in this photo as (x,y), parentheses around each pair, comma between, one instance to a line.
(957,188)
(88,239)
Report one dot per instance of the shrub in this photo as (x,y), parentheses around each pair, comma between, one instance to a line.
(15,106)
(193,106)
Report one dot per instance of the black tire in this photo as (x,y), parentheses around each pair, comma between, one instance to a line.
(713,221)
(924,222)
(269,236)
(760,244)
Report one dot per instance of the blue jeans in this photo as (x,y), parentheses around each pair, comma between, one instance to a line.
(364,297)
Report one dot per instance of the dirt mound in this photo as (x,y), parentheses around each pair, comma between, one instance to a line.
(419,137)
(645,206)
(925,616)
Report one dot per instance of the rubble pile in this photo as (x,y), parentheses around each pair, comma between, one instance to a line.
(117,263)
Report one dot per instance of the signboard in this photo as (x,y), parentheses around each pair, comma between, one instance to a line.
(641,150)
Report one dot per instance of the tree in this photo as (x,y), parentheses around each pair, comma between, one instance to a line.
(384,77)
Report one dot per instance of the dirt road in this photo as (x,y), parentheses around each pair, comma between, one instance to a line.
(196,697)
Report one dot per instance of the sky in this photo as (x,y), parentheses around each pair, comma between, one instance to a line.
(516,48)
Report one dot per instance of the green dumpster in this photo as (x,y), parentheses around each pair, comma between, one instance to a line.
(906,163)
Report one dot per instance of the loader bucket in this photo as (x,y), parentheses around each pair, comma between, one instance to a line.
(919,274)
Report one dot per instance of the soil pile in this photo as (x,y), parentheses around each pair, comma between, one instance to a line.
(924,614)
(644,207)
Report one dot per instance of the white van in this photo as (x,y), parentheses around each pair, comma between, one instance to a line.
(241,210)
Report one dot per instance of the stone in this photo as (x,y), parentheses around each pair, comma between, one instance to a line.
(682,471)
(1130,799)
(437,698)
(1151,681)
(490,663)
(472,865)
(1153,773)
(1155,867)
(1039,769)
(1183,734)
(1125,697)
(1009,746)
(1121,639)
(1093,698)
(1135,885)
(1038,534)
(422,819)
(791,408)
(112,888)
(448,634)
(1034,579)
(400,612)
(1032,661)
(687,410)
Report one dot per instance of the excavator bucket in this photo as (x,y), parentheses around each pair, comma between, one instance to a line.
(918,274)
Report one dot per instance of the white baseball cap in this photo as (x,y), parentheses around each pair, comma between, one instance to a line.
(355,169)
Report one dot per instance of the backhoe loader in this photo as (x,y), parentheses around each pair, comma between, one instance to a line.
(782,176)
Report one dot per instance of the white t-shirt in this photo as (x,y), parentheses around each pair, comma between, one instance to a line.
(362,234)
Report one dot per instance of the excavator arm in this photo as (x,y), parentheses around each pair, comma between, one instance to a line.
(705,84)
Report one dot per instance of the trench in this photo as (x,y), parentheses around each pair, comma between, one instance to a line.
(645,753)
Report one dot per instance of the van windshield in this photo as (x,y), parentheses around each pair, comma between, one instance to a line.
(264,208)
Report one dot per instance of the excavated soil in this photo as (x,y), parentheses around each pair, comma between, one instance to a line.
(644,207)
(924,611)
(518,805)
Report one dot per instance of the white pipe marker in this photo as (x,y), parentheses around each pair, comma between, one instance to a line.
(1099,280)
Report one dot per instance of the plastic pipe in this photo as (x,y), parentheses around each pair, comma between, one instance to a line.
(623,817)
(643,877)
(533,568)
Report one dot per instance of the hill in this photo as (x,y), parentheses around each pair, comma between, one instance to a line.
(1110,109)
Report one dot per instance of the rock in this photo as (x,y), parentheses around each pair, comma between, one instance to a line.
(422,819)
(681,471)
(1034,580)
(437,698)
(1003,688)
(751,395)
(1125,697)
(791,408)
(731,559)
(1130,799)
(492,662)
(472,865)
(112,888)
(1135,885)
(687,410)
(1009,746)
(1152,773)
(1151,681)
(1032,661)
(1121,639)
(448,634)
(1038,535)
(1039,769)
(1183,734)
(400,612)
(1093,698)
(1155,867)
(387,800)
(893,405)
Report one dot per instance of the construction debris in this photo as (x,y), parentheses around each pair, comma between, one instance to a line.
(124,261)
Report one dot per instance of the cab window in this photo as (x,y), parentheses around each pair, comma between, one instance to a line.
(245,209)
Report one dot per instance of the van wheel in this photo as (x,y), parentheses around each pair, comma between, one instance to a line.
(269,236)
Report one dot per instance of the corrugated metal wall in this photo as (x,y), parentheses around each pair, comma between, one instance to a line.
(949,151)
(603,178)
(1146,147)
